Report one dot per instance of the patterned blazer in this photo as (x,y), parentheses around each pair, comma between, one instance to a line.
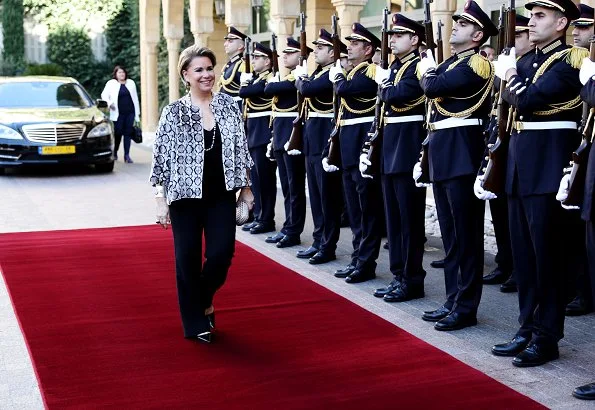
(178,152)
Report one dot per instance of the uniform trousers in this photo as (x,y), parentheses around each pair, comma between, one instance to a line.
(499,212)
(196,281)
(264,184)
(314,174)
(536,223)
(461,216)
(405,207)
(292,175)
(364,204)
(590,241)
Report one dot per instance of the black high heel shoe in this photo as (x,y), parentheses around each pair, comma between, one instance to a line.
(211,319)
(204,337)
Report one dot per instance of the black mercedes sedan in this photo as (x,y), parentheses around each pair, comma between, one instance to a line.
(50,120)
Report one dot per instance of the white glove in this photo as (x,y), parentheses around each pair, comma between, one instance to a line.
(245,78)
(162,212)
(426,63)
(587,70)
(416,174)
(327,167)
(364,163)
(291,152)
(481,193)
(381,75)
(270,149)
(504,63)
(335,71)
(300,70)
(562,194)
(274,79)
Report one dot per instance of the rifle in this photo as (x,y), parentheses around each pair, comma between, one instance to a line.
(495,174)
(247,66)
(275,69)
(580,156)
(334,153)
(296,139)
(376,132)
(439,43)
(429,31)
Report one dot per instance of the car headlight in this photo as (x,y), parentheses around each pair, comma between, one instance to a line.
(101,130)
(8,133)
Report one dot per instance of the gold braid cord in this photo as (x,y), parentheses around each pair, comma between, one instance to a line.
(364,100)
(571,56)
(398,77)
(487,88)
(277,109)
(224,82)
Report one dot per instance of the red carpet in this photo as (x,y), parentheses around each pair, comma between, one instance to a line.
(99,312)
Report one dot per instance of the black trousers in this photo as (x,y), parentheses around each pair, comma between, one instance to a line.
(264,184)
(499,211)
(405,207)
(331,184)
(536,223)
(198,282)
(364,205)
(123,127)
(292,175)
(590,241)
(461,216)
(314,173)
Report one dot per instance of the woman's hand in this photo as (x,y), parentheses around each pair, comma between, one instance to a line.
(162,212)
(247,196)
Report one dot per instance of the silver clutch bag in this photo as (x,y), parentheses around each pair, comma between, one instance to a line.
(242,212)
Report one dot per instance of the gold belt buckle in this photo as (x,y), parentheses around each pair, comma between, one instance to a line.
(518,125)
(431,126)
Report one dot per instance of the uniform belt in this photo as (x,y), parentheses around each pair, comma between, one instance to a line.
(453,123)
(545,125)
(354,121)
(320,115)
(259,114)
(237,98)
(291,114)
(405,118)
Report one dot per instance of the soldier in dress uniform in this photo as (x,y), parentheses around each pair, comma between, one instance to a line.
(229,82)
(358,90)
(545,95)
(404,203)
(504,273)
(587,76)
(583,302)
(292,169)
(257,111)
(325,189)
(459,91)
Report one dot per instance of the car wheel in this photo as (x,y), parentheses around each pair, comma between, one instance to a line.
(105,167)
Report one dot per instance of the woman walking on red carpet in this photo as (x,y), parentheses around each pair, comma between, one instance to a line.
(200,160)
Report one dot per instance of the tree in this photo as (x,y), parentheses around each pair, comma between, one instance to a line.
(13,33)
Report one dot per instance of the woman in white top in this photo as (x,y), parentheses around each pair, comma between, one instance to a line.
(122,99)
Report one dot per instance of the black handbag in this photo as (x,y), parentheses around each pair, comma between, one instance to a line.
(137,135)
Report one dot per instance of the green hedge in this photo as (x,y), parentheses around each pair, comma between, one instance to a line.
(13,53)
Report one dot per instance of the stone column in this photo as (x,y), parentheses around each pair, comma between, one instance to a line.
(348,11)
(201,21)
(443,11)
(149,38)
(152,101)
(283,15)
(238,13)
(173,31)
(173,54)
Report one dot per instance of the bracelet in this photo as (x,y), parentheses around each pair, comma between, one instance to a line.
(159,191)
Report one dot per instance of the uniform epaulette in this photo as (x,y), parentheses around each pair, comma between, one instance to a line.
(242,68)
(575,57)
(371,71)
(289,77)
(480,66)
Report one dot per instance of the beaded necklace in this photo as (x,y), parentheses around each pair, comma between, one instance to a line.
(213,140)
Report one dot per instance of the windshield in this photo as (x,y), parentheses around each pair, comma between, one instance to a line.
(49,94)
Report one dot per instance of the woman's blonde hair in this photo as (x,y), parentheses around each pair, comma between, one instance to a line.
(190,53)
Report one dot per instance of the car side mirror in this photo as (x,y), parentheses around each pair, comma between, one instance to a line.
(101,103)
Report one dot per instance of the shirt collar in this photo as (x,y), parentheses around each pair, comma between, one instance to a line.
(551,46)
(409,56)
(467,53)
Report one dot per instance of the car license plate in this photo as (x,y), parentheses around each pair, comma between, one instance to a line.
(58,150)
